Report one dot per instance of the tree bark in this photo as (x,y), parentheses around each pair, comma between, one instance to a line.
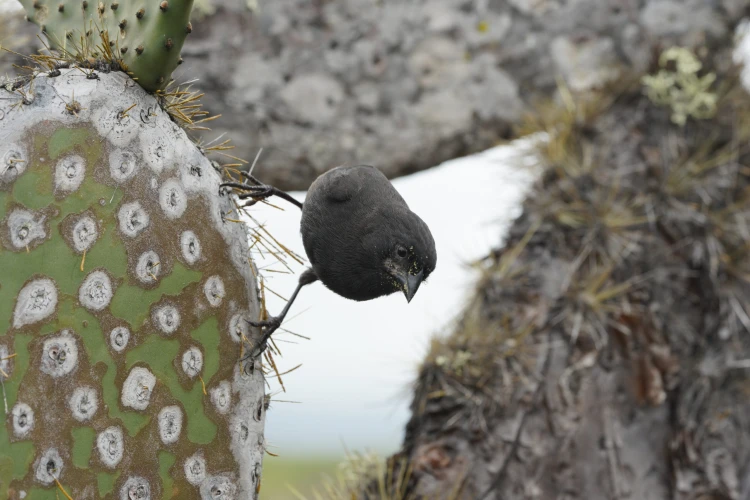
(407,85)
(605,353)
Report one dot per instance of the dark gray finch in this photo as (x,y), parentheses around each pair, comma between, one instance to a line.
(362,240)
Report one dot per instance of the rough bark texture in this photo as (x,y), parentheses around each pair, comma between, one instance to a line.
(605,354)
(405,85)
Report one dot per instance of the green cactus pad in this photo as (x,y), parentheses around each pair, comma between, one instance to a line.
(144,36)
(123,294)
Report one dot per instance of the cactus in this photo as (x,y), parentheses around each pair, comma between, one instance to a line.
(123,289)
(144,38)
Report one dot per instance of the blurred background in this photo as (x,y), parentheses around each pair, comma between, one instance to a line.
(438,94)
(353,390)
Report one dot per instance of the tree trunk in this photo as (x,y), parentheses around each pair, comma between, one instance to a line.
(407,85)
(605,354)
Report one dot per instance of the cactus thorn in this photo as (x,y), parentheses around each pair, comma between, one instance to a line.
(168,44)
(164,6)
(60,8)
(114,6)
(139,50)
(123,50)
(37,4)
(180,61)
(123,23)
(85,5)
(141,12)
(160,80)
(189,27)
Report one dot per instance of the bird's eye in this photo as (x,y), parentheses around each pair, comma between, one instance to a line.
(401,251)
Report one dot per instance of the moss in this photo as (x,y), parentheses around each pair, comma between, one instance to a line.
(680,86)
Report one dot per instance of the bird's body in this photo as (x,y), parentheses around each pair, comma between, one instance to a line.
(352,218)
(359,234)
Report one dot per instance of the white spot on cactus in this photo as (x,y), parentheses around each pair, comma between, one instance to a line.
(133,219)
(147,269)
(118,338)
(110,121)
(135,488)
(83,403)
(23,419)
(218,488)
(69,173)
(84,234)
(166,319)
(136,391)
(24,228)
(196,173)
(4,362)
(49,466)
(195,469)
(221,397)
(122,165)
(36,301)
(13,162)
(111,446)
(191,247)
(96,291)
(59,355)
(172,199)
(157,150)
(170,424)
(214,290)
(192,361)
(239,328)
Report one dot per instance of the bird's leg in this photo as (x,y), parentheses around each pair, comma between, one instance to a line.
(273,323)
(258,191)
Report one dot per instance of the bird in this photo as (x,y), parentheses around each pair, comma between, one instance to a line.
(360,237)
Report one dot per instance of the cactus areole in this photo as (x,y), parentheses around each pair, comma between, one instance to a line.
(143,37)
(123,295)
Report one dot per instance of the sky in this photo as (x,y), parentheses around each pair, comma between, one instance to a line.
(352,391)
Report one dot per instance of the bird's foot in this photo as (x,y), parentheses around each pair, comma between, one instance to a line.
(256,191)
(267,328)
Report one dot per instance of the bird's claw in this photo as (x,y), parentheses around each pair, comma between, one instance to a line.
(267,328)
(258,193)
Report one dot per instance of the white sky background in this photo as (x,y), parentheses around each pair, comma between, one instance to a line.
(353,387)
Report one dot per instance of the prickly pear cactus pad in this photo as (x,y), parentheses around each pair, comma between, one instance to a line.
(144,37)
(123,294)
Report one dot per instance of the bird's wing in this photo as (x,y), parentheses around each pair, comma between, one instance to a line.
(342,184)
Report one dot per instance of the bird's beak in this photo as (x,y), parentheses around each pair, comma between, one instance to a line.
(410,283)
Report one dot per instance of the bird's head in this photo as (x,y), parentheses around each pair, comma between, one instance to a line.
(409,256)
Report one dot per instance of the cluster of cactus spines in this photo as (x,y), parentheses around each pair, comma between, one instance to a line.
(123,294)
(145,37)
